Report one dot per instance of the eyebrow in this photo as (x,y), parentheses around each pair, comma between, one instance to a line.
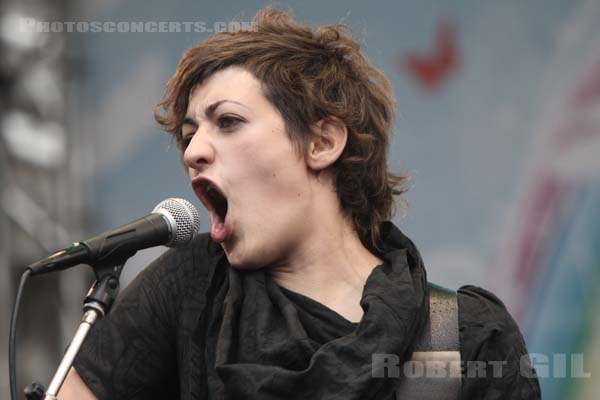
(209,111)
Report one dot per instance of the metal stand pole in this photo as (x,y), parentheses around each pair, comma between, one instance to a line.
(88,320)
(97,303)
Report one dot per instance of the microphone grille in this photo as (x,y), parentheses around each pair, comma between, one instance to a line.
(183,219)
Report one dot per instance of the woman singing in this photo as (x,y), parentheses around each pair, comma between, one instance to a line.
(284,132)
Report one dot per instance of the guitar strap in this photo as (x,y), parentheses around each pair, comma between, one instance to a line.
(434,371)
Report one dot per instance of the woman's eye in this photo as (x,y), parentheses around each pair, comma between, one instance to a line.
(185,141)
(228,122)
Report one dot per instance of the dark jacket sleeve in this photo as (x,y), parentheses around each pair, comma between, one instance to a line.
(495,359)
(132,352)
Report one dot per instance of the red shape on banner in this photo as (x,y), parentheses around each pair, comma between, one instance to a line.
(588,91)
(429,71)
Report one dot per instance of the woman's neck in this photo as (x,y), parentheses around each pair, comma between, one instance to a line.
(331,266)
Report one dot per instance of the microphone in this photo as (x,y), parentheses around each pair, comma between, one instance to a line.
(173,223)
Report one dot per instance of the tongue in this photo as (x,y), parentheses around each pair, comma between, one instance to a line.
(219,230)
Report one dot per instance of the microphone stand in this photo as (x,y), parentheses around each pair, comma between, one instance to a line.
(96,305)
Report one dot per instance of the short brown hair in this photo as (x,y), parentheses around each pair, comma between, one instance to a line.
(308,74)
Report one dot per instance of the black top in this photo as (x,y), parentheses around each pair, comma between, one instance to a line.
(191,327)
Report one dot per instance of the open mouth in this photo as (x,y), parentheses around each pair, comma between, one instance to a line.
(217,206)
(217,200)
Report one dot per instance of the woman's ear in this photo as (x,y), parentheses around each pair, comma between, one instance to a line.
(326,144)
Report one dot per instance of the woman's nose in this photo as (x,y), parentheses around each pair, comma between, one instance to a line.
(199,153)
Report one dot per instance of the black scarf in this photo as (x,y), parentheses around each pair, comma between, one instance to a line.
(276,344)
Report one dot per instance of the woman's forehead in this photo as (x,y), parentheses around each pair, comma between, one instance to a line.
(233,83)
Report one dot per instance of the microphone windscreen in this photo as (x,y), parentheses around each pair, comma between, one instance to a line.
(183,220)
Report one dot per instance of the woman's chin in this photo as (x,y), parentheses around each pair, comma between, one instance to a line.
(240,260)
